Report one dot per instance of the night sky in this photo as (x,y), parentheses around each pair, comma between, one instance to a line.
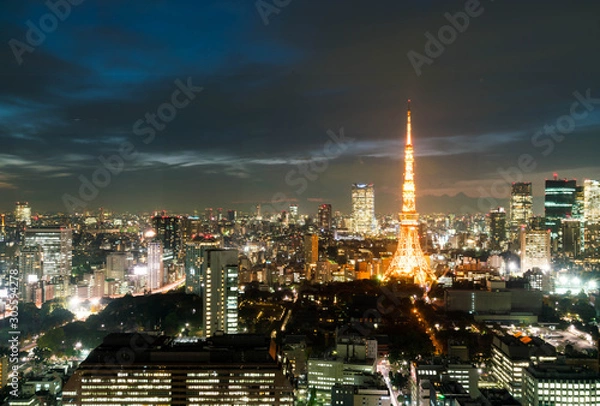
(275,95)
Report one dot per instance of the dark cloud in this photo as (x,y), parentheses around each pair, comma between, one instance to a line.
(271,93)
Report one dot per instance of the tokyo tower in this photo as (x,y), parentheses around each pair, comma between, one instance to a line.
(409,260)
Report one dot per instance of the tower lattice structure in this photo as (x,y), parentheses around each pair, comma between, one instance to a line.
(409,260)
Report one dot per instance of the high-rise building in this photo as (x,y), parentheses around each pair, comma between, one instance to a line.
(560,384)
(195,261)
(558,205)
(170,231)
(409,260)
(57,245)
(497,229)
(591,215)
(521,207)
(30,269)
(363,208)
(572,237)
(136,369)
(294,211)
(325,217)
(578,205)
(117,264)
(220,292)
(231,215)
(535,250)
(23,213)
(155,265)
(311,248)
(591,201)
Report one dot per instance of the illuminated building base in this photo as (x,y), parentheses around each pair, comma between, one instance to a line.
(409,260)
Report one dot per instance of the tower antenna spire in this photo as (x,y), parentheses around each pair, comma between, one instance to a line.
(408,126)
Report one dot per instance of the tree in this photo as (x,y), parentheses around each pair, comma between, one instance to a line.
(53,340)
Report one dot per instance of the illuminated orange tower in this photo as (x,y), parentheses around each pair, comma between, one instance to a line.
(409,260)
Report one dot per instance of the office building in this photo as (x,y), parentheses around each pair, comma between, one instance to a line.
(425,374)
(511,354)
(572,237)
(591,201)
(578,205)
(23,213)
(155,265)
(363,209)
(559,384)
(357,395)
(118,264)
(220,292)
(195,261)
(135,369)
(558,205)
(535,250)
(497,219)
(293,211)
(57,247)
(521,207)
(170,231)
(231,215)
(591,216)
(311,248)
(30,269)
(324,217)
(354,364)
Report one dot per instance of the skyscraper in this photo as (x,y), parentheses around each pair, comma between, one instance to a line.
(220,292)
(497,219)
(30,269)
(535,250)
(409,259)
(294,211)
(155,264)
(311,248)
(558,205)
(195,261)
(57,244)
(363,208)
(591,216)
(117,264)
(521,207)
(23,213)
(324,217)
(170,231)
(591,201)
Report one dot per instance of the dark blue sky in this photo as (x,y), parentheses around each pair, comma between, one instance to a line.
(272,92)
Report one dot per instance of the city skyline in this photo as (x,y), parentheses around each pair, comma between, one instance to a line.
(273,95)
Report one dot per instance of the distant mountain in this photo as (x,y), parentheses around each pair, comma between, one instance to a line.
(459,203)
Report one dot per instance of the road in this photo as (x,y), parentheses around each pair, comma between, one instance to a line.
(383,367)
(164,289)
